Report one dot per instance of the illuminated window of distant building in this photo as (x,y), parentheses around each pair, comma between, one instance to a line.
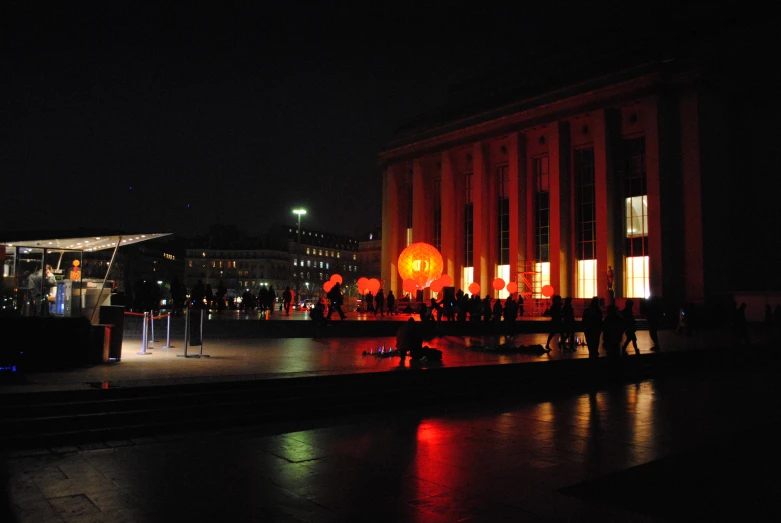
(321,265)
(468,221)
(540,278)
(214,264)
(437,222)
(189,263)
(585,223)
(321,275)
(636,266)
(338,254)
(354,257)
(309,263)
(320,252)
(541,208)
(295,261)
(326,265)
(307,251)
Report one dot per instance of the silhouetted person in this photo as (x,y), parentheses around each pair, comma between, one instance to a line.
(198,295)
(222,291)
(475,310)
(487,308)
(317,314)
(510,313)
(740,325)
(335,295)
(556,321)
(497,316)
(379,301)
(568,318)
(520,305)
(209,296)
(612,330)
(592,327)
(287,299)
(653,314)
(368,302)
(391,303)
(409,340)
(630,328)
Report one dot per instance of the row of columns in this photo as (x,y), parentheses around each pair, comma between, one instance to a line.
(610,234)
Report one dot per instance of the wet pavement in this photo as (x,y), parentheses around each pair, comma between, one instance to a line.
(678,448)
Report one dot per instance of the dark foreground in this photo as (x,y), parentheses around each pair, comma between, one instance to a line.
(681,446)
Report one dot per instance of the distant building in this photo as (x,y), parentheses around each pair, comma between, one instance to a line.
(370,254)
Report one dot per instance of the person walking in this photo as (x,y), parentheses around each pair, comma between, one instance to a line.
(568,318)
(287,299)
(391,303)
(379,300)
(556,322)
(592,327)
(630,328)
(612,329)
(336,298)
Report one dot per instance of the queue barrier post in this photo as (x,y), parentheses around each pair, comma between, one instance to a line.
(168,334)
(187,322)
(152,325)
(144,339)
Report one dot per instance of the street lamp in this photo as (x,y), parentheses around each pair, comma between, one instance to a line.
(298,212)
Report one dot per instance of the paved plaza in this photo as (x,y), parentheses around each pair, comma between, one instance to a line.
(679,447)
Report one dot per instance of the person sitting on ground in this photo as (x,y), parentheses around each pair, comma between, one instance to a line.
(409,340)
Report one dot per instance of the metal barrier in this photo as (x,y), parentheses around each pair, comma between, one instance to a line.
(144,338)
(149,324)
(187,336)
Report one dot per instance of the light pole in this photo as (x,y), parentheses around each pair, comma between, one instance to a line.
(298,212)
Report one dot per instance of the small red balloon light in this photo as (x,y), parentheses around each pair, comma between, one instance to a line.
(547,290)
(336,278)
(512,287)
(327,286)
(498,284)
(409,286)
(474,288)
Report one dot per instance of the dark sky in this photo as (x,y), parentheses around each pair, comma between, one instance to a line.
(172,119)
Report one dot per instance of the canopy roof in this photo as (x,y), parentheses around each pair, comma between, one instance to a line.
(94,242)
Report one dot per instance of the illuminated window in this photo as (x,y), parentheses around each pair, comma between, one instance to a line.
(637,281)
(320,252)
(338,254)
(295,262)
(503,272)
(326,265)
(307,250)
(585,222)
(587,279)
(189,263)
(354,257)
(541,209)
(636,271)
(321,265)
(503,216)
(214,264)
(468,221)
(541,277)
(309,263)
(468,277)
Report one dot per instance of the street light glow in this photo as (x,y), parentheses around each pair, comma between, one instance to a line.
(299,211)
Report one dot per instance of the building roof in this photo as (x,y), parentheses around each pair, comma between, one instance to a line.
(76,240)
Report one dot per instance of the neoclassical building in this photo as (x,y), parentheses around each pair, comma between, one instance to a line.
(618,172)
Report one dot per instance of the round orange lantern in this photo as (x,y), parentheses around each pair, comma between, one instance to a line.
(421,263)
(409,286)
(336,278)
(363,285)
(498,284)
(547,290)
(327,286)
(436,285)
(374,285)
(446,280)
(474,287)
(512,287)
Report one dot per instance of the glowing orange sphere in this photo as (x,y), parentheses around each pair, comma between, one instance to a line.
(409,286)
(374,285)
(512,287)
(363,285)
(446,280)
(436,285)
(76,263)
(547,291)
(474,287)
(336,278)
(421,263)
(498,284)
(327,286)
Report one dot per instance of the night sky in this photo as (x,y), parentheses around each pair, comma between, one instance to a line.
(173,119)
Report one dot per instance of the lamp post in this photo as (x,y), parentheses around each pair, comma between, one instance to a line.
(298,212)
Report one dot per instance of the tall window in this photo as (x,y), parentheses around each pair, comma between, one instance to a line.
(408,187)
(540,172)
(503,214)
(636,270)
(438,213)
(585,222)
(468,221)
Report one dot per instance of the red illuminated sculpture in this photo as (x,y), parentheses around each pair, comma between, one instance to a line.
(421,263)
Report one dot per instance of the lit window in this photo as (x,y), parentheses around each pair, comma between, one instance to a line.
(637,280)
(541,277)
(637,216)
(354,257)
(468,276)
(321,265)
(338,254)
(503,272)
(307,250)
(587,279)
(309,263)
(326,265)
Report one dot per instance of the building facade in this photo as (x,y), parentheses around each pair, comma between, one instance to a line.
(603,184)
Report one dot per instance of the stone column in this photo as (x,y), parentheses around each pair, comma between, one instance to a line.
(450,228)
(482,212)
(421,204)
(392,226)
(607,204)
(652,173)
(694,281)
(516,155)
